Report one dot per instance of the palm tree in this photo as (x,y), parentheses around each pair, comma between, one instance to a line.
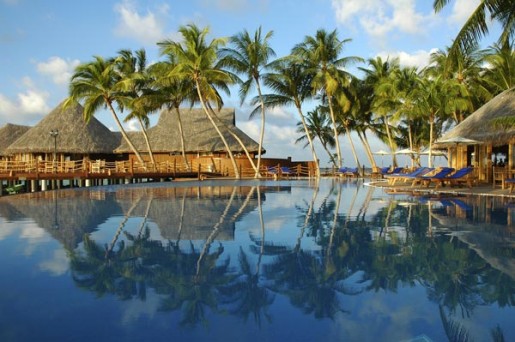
(499,75)
(476,25)
(171,92)
(318,125)
(361,112)
(322,55)
(464,67)
(382,72)
(343,105)
(97,83)
(250,56)
(291,84)
(197,61)
(134,80)
(436,99)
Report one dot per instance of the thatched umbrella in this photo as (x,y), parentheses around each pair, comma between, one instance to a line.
(75,136)
(9,134)
(200,136)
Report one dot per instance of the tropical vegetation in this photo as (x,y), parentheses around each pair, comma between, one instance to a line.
(405,107)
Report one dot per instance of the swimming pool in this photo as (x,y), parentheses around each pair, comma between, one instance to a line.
(254,261)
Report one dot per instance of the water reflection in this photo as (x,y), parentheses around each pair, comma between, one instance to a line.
(208,253)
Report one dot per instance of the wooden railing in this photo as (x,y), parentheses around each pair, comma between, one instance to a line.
(134,167)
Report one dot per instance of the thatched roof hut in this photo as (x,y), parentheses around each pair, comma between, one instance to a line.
(75,135)
(479,126)
(9,134)
(199,133)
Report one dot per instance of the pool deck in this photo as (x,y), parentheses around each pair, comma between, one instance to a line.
(477,190)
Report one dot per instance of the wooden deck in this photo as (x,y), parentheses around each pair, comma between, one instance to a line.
(42,175)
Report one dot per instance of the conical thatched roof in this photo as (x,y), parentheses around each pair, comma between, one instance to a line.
(199,133)
(75,136)
(478,126)
(9,133)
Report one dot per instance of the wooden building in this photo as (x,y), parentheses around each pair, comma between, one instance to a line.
(64,132)
(202,143)
(8,135)
(480,142)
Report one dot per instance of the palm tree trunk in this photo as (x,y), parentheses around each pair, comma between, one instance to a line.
(262,133)
(183,148)
(390,142)
(124,134)
(311,145)
(431,124)
(368,150)
(201,98)
(237,138)
(147,141)
(353,149)
(335,130)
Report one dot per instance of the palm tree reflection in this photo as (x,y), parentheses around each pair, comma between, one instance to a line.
(347,255)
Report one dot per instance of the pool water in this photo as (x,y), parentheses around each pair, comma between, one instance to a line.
(255,261)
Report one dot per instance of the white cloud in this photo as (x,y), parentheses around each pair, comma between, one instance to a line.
(7,107)
(462,10)
(147,28)
(29,105)
(57,265)
(132,125)
(379,18)
(417,59)
(58,69)
(33,102)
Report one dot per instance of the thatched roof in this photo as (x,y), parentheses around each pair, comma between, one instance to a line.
(199,133)
(478,126)
(9,133)
(75,136)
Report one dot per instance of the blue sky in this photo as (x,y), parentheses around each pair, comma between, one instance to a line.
(43,40)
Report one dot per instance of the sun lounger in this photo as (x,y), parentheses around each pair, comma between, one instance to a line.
(277,172)
(351,172)
(394,171)
(437,177)
(460,176)
(511,183)
(393,178)
(341,170)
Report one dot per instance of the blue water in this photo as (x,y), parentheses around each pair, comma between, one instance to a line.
(255,261)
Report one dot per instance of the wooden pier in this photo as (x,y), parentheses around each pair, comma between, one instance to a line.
(18,176)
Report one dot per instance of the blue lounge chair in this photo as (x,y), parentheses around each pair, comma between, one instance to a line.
(396,170)
(427,179)
(352,172)
(286,171)
(342,170)
(393,178)
(460,176)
